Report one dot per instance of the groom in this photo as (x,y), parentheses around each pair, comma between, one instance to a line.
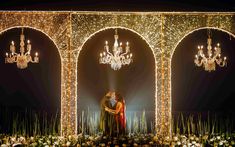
(107,120)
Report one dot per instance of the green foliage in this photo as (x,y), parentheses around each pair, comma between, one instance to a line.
(194,124)
(28,122)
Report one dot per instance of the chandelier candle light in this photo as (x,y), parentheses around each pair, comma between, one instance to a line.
(117,57)
(212,58)
(23,58)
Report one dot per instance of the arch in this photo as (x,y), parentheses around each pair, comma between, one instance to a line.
(173,51)
(138,34)
(57,52)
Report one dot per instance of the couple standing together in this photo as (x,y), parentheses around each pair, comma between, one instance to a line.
(113,117)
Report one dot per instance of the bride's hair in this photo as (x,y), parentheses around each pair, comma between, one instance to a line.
(119,97)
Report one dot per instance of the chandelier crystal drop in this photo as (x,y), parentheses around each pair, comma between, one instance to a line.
(117,57)
(212,58)
(23,58)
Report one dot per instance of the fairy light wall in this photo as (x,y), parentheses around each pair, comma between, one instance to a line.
(162,31)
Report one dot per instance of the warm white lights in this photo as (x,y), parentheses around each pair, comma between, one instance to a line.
(23,58)
(69,30)
(213,57)
(116,57)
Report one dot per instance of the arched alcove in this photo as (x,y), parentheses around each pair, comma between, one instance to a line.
(136,82)
(35,89)
(195,90)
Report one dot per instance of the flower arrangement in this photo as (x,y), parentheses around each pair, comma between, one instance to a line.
(128,140)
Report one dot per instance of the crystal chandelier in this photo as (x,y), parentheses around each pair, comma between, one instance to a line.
(23,58)
(213,57)
(117,57)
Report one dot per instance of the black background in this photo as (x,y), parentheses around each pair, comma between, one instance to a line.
(120,5)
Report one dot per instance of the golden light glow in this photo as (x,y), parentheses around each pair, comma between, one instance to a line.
(162,31)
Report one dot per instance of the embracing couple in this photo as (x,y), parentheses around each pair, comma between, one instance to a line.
(113,117)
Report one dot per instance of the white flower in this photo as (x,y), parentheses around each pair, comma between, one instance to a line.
(48,142)
(218,137)
(191,138)
(86,136)
(178,143)
(16,144)
(70,137)
(61,138)
(193,142)
(135,144)
(68,143)
(91,138)
(184,140)
(221,143)
(13,139)
(56,143)
(32,138)
(21,139)
(34,144)
(175,138)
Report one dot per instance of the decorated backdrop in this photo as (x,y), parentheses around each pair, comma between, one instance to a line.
(162,31)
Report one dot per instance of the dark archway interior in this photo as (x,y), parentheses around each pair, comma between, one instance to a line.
(135,82)
(36,88)
(196,90)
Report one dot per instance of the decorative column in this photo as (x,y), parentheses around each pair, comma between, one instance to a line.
(69,85)
(163,109)
(69,96)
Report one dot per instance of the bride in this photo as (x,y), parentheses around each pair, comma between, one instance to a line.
(119,112)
